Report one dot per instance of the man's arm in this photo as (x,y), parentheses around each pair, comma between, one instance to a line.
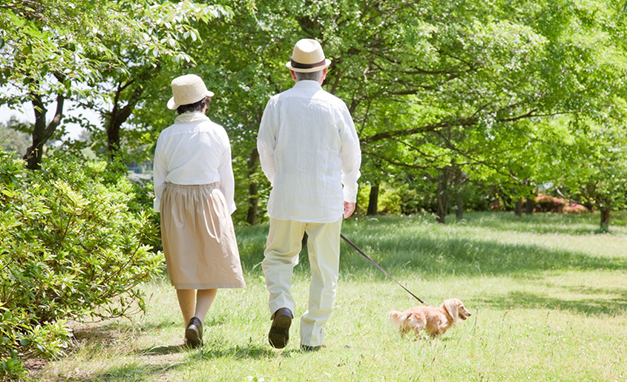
(266,142)
(350,154)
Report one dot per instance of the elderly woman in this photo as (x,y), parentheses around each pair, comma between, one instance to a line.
(194,192)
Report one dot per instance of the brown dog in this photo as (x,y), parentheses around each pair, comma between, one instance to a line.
(435,321)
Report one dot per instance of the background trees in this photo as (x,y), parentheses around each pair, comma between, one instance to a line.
(461,100)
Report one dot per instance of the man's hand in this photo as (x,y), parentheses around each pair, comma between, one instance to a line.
(349,208)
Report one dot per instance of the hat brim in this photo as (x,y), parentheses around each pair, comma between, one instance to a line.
(327,62)
(172,105)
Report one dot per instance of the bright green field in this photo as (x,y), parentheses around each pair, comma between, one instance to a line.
(547,293)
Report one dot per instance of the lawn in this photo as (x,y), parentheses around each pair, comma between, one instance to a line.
(548,294)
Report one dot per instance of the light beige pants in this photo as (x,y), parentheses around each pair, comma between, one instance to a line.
(281,255)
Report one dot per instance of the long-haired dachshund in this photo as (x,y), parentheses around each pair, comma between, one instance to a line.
(434,320)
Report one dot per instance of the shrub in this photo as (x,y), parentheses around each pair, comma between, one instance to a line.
(574,208)
(548,203)
(70,247)
(388,202)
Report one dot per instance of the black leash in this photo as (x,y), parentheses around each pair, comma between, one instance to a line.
(381,269)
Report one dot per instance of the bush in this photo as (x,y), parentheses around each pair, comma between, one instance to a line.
(69,248)
(574,208)
(388,202)
(548,203)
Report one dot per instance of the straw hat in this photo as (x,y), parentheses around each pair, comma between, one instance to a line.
(308,57)
(186,90)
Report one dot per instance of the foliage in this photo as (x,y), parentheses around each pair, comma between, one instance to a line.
(150,54)
(443,88)
(390,201)
(490,93)
(70,247)
(591,166)
(11,138)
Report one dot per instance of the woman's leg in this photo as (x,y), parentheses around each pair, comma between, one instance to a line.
(204,299)
(187,302)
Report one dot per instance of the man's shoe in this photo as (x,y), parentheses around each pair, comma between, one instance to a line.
(280,329)
(308,348)
(193,333)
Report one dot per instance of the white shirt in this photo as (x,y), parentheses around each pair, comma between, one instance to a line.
(194,151)
(308,148)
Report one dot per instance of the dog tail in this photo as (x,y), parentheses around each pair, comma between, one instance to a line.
(398,319)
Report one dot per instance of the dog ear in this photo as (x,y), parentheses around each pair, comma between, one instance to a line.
(452,307)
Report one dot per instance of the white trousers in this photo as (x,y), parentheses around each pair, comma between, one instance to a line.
(281,255)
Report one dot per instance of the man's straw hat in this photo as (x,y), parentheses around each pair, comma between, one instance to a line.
(308,57)
(186,90)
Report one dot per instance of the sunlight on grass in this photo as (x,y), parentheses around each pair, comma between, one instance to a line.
(547,293)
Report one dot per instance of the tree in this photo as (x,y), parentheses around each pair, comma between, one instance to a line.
(150,57)
(60,50)
(44,56)
(591,166)
(446,88)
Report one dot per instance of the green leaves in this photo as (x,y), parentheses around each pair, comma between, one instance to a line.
(70,247)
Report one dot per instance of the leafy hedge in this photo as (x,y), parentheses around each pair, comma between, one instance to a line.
(70,247)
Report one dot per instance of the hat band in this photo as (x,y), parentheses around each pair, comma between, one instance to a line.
(298,65)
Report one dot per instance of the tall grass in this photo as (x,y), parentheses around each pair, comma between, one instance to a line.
(547,293)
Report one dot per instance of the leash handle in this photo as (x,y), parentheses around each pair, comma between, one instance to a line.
(381,269)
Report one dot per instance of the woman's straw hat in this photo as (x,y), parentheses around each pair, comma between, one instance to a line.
(308,57)
(186,90)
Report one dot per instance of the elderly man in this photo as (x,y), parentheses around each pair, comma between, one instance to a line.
(308,148)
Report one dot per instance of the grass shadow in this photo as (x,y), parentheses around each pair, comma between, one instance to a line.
(586,306)
(132,372)
(163,350)
(416,246)
(239,352)
(474,257)
(215,351)
(98,333)
(541,223)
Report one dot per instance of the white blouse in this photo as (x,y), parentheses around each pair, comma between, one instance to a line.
(194,151)
(308,148)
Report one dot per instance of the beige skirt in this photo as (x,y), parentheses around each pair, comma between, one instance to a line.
(198,238)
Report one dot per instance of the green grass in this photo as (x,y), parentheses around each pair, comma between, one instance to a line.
(548,296)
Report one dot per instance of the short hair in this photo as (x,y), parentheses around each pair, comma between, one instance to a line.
(314,76)
(193,107)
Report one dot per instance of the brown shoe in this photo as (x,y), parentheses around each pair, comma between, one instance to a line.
(193,333)
(280,329)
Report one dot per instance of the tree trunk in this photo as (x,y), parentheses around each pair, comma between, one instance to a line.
(605,218)
(119,114)
(253,189)
(442,197)
(459,195)
(459,214)
(530,205)
(41,131)
(373,201)
(518,207)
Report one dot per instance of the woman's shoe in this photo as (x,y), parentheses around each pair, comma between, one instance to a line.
(193,333)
